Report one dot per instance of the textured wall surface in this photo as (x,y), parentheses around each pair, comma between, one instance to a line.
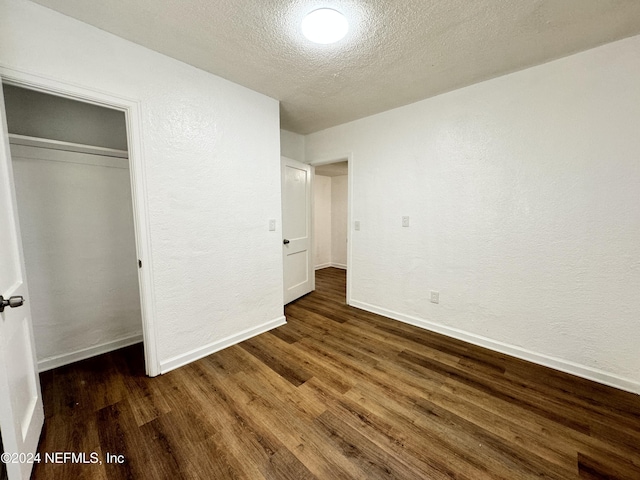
(292,145)
(76,220)
(321,221)
(36,114)
(339,188)
(212,159)
(523,196)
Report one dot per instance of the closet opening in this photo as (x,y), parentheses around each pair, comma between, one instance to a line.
(76,213)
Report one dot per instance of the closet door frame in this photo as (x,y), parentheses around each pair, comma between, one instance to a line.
(132,109)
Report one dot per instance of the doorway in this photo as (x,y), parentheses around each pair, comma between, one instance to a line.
(74,197)
(331,216)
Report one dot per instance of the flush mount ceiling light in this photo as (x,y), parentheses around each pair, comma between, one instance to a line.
(325,26)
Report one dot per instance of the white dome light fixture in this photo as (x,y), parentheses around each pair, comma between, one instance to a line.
(325,26)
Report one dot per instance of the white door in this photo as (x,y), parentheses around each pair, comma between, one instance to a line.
(21,413)
(299,276)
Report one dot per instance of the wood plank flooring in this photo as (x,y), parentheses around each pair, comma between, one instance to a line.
(338,393)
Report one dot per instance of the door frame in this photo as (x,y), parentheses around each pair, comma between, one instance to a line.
(348,157)
(132,110)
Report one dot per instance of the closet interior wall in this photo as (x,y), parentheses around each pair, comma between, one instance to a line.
(73,189)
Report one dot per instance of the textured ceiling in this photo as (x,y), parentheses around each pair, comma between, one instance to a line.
(397,52)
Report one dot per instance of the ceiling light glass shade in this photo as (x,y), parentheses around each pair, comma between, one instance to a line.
(325,26)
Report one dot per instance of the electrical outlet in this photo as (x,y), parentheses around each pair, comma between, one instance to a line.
(356,225)
(405,221)
(272,225)
(435,297)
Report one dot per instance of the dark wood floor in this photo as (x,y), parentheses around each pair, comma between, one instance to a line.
(338,393)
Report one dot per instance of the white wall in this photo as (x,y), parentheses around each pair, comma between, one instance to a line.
(523,196)
(212,158)
(76,219)
(330,221)
(339,188)
(292,145)
(36,114)
(322,221)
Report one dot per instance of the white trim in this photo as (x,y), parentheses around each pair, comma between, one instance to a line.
(132,109)
(67,358)
(350,181)
(583,371)
(200,352)
(65,156)
(48,143)
(335,159)
(312,223)
(341,266)
(142,226)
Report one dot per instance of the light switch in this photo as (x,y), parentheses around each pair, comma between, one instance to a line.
(405,221)
(357,224)
(272,225)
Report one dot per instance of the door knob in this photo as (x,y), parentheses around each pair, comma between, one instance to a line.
(12,302)
(285,241)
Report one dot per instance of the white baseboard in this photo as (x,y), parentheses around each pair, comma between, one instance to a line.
(521,353)
(67,358)
(200,352)
(334,265)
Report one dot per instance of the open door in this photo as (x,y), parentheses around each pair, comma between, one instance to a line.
(296,229)
(21,412)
